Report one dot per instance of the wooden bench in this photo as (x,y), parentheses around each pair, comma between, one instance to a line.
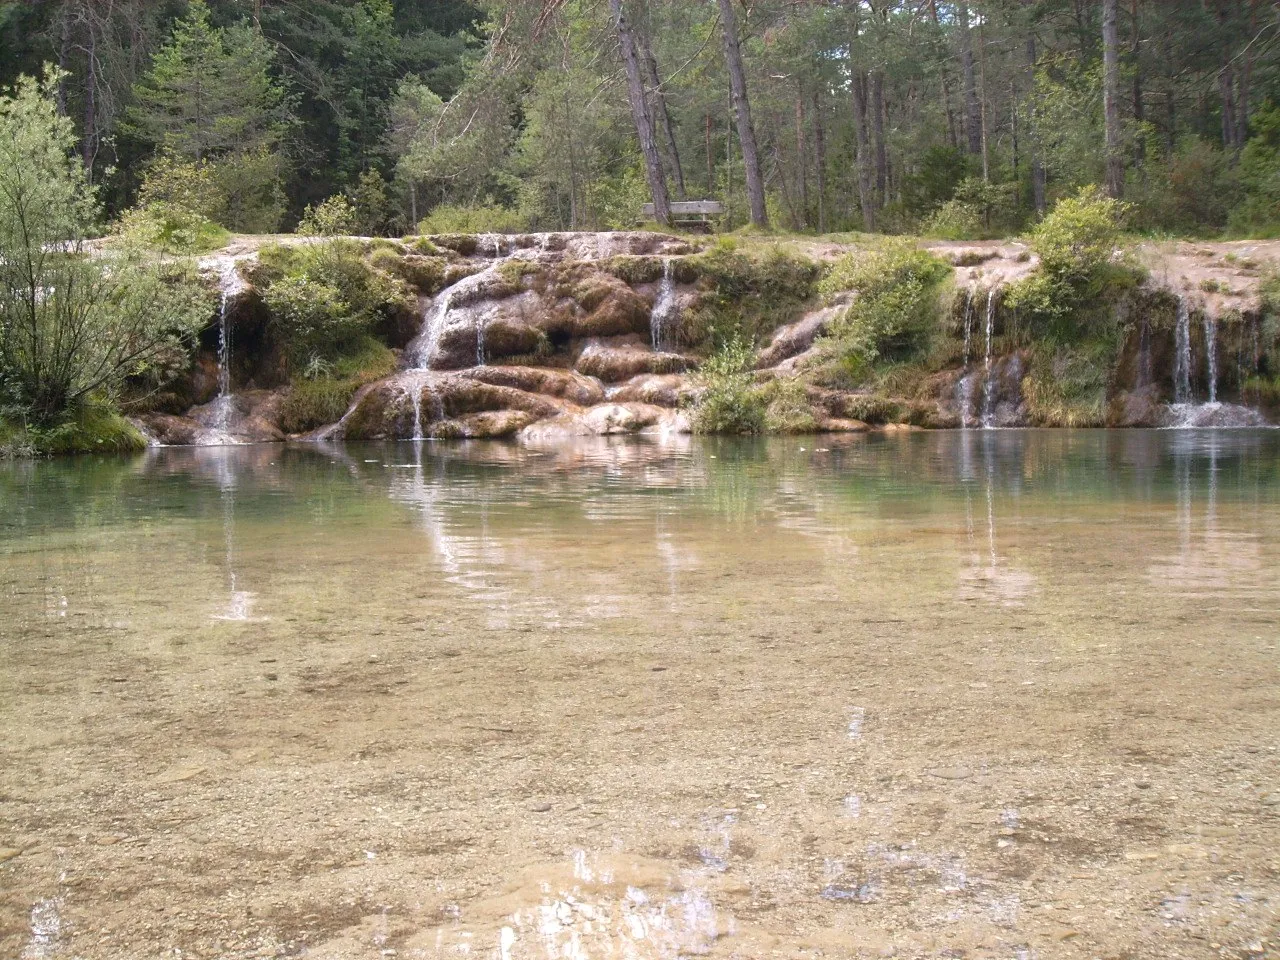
(689,212)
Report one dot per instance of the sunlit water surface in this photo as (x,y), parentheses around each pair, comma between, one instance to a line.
(984,693)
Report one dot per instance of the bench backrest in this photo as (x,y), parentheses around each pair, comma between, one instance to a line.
(687,208)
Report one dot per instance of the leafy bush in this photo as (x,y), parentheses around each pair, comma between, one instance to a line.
(788,409)
(1083,267)
(743,297)
(1080,236)
(324,396)
(335,217)
(448,218)
(898,307)
(178,208)
(953,220)
(730,402)
(324,297)
(93,428)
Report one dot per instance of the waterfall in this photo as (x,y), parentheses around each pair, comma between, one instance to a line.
(664,307)
(1211,355)
(228,280)
(964,399)
(416,396)
(968,322)
(1182,358)
(988,385)
(1143,373)
(480,325)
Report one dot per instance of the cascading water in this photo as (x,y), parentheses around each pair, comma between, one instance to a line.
(1211,355)
(1144,354)
(480,325)
(968,322)
(1182,356)
(228,281)
(988,384)
(664,307)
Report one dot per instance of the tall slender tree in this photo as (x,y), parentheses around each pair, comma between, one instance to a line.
(1111,98)
(641,116)
(742,113)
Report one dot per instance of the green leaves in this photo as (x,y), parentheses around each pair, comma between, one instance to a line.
(72,325)
(896,306)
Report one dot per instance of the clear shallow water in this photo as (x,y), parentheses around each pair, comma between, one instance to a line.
(1011,692)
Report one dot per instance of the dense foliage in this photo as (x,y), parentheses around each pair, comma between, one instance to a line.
(953,118)
(73,327)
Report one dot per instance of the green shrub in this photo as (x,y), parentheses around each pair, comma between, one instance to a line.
(324,392)
(1084,268)
(730,401)
(94,428)
(741,296)
(897,311)
(178,208)
(335,217)
(953,220)
(788,409)
(324,297)
(483,218)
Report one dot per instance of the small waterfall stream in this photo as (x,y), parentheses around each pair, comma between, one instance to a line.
(1211,355)
(228,281)
(664,311)
(988,384)
(968,322)
(1182,355)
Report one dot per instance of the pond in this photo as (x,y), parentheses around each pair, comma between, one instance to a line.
(981,693)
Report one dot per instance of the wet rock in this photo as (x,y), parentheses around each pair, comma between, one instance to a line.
(623,359)
(1137,408)
(562,384)
(659,390)
(794,339)
(168,430)
(491,425)
(951,773)
(607,420)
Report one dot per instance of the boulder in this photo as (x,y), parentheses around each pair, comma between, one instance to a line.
(623,358)
(607,420)
(562,384)
(659,390)
(795,338)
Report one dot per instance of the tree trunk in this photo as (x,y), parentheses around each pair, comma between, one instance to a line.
(661,115)
(946,82)
(973,109)
(742,112)
(866,181)
(1226,80)
(1246,80)
(1111,98)
(820,160)
(1135,54)
(89,142)
(877,129)
(641,118)
(1039,180)
(711,160)
(802,159)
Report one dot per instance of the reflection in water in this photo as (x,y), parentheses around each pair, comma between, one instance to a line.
(1210,558)
(739,675)
(988,575)
(239,605)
